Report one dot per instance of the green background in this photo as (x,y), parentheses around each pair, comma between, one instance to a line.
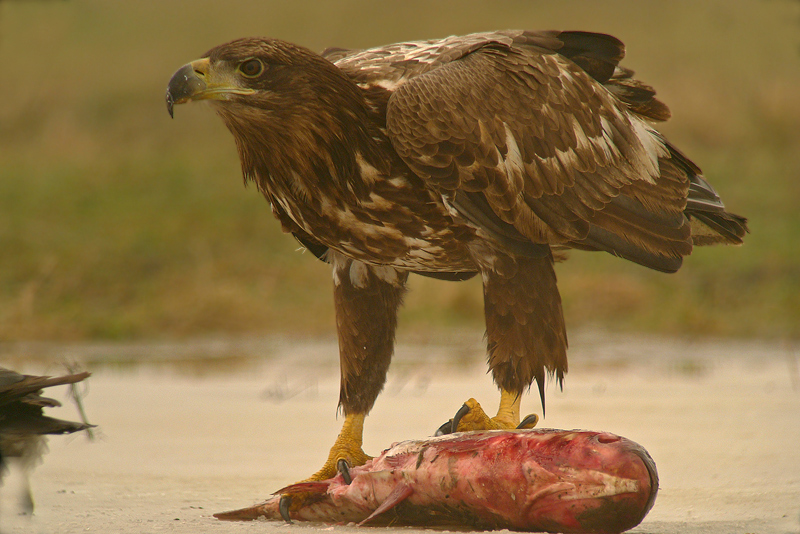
(119,223)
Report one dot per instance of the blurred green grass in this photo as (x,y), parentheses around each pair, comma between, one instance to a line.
(117,223)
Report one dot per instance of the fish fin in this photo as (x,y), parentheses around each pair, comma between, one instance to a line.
(305,487)
(400,493)
(266,509)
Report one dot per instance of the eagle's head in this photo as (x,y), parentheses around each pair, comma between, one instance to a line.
(286,106)
(259,73)
(255,72)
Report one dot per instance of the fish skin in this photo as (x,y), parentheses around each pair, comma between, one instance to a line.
(539,480)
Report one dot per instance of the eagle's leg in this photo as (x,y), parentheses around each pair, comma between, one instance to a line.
(525,336)
(366,299)
(346,448)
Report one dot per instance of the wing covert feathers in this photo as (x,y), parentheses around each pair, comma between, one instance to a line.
(543,136)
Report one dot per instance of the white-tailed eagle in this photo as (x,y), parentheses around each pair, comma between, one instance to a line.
(479,154)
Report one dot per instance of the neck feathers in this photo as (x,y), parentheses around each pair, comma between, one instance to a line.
(317,135)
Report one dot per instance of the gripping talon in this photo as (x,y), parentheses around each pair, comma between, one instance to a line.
(283,508)
(446,428)
(464,410)
(529,421)
(344,469)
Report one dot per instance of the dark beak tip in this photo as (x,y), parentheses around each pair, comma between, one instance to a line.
(170,105)
(182,86)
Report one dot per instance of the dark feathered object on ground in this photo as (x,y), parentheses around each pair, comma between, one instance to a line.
(23,425)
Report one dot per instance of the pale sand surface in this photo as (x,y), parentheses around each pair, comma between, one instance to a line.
(179,440)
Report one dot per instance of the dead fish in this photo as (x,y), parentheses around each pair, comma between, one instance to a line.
(539,480)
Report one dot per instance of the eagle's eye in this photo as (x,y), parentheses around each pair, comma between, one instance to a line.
(251,68)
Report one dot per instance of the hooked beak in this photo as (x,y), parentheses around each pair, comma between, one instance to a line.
(198,81)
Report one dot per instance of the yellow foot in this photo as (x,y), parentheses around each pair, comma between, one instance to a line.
(472,417)
(345,453)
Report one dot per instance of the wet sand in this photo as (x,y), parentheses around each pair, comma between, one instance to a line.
(180,438)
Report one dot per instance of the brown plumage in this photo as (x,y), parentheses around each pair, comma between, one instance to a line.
(23,425)
(474,154)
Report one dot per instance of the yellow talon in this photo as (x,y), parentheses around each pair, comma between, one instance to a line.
(507,415)
(347,447)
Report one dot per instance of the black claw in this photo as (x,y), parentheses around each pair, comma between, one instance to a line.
(530,419)
(446,428)
(344,469)
(464,410)
(283,508)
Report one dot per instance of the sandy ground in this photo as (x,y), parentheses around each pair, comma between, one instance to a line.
(182,437)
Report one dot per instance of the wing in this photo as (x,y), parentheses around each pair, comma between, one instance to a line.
(22,405)
(551,146)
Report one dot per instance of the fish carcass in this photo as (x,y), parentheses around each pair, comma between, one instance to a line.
(539,480)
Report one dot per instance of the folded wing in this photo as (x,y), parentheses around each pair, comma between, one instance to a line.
(541,138)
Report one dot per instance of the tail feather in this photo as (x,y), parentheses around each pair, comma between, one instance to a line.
(710,223)
(711,228)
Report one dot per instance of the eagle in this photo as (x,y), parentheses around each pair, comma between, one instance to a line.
(486,154)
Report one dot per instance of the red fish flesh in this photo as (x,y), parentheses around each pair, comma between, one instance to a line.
(539,480)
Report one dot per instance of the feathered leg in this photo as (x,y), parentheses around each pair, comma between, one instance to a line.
(525,337)
(366,299)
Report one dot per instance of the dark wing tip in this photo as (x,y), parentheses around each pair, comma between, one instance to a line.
(596,53)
